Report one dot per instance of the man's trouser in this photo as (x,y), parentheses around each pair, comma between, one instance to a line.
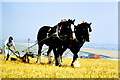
(7,53)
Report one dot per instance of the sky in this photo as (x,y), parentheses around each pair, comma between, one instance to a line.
(22,20)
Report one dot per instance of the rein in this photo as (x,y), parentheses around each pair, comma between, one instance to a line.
(35,44)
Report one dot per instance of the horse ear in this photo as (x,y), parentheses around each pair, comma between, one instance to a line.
(90,23)
(68,19)
(74,20)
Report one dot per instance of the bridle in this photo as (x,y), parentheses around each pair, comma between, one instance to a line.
(83,36)
(69,26)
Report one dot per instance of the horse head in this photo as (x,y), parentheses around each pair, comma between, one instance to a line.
(83,31)
(66,28)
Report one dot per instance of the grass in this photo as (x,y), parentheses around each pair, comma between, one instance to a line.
(90,68)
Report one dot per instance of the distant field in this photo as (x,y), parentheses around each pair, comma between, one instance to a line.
(90,68)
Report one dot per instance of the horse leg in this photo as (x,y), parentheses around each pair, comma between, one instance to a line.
(48,54)
(39,53)
(75,62)
(57,57)
(59,53)
(62,51)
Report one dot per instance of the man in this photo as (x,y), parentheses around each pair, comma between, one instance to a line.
(7,45)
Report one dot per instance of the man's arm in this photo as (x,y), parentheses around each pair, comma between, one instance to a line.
(5,44)
(14,45)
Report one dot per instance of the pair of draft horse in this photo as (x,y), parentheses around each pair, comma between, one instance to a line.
(62,36)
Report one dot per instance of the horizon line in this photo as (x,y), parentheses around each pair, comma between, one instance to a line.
(59,1)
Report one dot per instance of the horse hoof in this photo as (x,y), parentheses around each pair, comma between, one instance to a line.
(72,65)
(60,65)
(50,62)
(77,65)
(37,62)
(56,64)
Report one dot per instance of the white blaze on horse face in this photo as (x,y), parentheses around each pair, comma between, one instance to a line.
(89,35)
(72,27)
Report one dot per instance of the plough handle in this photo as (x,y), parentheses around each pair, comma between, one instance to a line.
(14,53)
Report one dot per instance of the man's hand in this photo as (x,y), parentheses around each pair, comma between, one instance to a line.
(6,47)
(14,48)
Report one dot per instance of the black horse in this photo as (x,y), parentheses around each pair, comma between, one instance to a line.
(82,34)
(54,37)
